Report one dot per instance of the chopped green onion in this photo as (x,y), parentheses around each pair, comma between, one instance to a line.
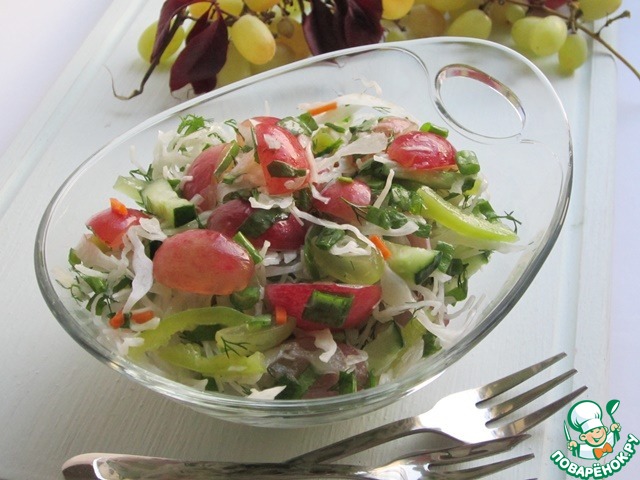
(485,208)
(246,298)
(98,285)
(430,344)
(191,123)
(308,121)
(467,162)
(468,184)
(424,230)
(202,333)
(241,240)
(447,256)
(421,277)
(335,127)
(303,199)
(431,128)
(347,383)
(260,221)
(295,126)
(73,258)
(327,308)
(296,388)
(328,237)
(229,179)
(233,151)
(456,267)
(365,126)
(386,217)
(280,169)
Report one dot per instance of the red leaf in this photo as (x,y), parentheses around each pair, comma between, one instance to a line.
(362,23)
(350,23)
(203,56)
(321,30)
(170,9)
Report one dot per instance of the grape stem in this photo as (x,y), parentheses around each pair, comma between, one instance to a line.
(571,18)
(180,18)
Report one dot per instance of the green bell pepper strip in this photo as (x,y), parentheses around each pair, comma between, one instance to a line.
(226,367)
(188,320)
(465,224)
(248,338)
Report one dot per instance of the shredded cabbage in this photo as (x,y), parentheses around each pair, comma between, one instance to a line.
(345,145)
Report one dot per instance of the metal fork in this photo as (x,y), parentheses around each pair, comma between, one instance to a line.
(427,465)
(462,416)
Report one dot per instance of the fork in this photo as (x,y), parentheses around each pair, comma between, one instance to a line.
(426,465)
(463,416)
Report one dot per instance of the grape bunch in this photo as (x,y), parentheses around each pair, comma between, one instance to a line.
(213,43)
(537,28)
(258,35)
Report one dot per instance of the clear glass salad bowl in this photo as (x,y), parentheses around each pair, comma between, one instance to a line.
(491,99)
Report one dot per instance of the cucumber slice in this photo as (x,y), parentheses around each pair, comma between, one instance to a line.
(413,264)
(384,349)
(131,187)
(161,200)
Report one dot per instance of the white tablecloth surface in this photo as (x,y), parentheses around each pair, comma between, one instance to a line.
(36,44)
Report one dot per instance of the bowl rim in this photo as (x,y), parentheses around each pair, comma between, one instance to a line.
(378,395)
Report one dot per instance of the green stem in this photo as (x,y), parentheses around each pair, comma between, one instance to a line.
(179,20)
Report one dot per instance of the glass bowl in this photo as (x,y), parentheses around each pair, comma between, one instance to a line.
(491,99)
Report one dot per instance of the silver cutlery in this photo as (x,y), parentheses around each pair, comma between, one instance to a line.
(466,417)
(428,465)
(463,416)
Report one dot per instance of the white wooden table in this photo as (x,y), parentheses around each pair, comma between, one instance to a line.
(57,401)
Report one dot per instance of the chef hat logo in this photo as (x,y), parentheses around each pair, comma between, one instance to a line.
(585,416)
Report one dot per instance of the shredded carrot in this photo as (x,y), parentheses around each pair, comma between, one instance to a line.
(380,245)
(118,207)
(117,320)
(280,314)
(142,317)
(325,107)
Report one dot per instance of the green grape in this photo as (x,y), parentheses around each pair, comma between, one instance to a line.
(196,10)
(595,9)
(235,68)
(148,37)
(547,36)
(466,6)
(395,9)
(497,12)
(573,53)
(253,39)
(514,13)
(231,7)
(393,33)
(290,33)
(505,13)
(423,21)
(260,5)
(472,23)
(284,27)
(443,5)
(521,32)
(283,56)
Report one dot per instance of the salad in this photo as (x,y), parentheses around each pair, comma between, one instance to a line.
(300,257)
